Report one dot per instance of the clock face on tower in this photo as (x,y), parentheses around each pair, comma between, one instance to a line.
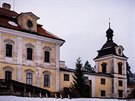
(119,50)
(29,23)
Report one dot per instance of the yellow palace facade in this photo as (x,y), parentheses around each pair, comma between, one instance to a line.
(30,56)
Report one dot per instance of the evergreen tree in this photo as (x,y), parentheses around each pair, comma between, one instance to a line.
(129,74)
(79,85)
(87,67)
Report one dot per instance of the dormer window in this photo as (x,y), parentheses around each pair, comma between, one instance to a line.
(29,23)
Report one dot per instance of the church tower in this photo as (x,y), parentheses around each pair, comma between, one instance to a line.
(111,65)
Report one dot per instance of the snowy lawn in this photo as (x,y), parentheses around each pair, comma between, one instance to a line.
(14,98)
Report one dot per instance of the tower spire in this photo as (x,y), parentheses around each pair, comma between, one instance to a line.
(109,23)
(109,33)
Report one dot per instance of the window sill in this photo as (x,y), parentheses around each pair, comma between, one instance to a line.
(29,62)
(9,59)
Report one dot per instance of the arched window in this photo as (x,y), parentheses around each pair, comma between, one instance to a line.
(29,77)
(8,73)
(47,79)
(119,68)
(29,48)
(104,67)
(47,54)
(8,48)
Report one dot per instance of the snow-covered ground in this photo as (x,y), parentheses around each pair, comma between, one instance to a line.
(14,98)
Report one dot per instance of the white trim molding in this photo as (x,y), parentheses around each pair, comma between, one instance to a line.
(28,35)
(57,68)
(19,58)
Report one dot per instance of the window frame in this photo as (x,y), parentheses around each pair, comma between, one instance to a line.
(11,43)
(29,46)
(120,68)
(47,56)
(120,93)
(103,81)
(29,78)
(46,80)
(29,55)
(66,77)
(104,67)
(103,93)
(120,82)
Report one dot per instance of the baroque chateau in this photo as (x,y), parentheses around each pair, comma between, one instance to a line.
(30,60)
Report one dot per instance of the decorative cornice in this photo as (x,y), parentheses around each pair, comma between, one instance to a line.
(110,56)
(28,35)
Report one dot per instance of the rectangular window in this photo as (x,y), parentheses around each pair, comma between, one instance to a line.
(104,66)
(120,83)
(8,75)
(103,93)
(102,81)
(29,53)
(47,56)
(120,93)
(29,77)
(66,77)
(46,80)
(120,68)
(8,50)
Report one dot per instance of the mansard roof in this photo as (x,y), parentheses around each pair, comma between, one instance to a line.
(8,19)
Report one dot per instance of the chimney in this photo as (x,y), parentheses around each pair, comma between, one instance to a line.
(6,6)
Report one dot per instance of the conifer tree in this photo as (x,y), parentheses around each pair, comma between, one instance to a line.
(79,85)
(87,67)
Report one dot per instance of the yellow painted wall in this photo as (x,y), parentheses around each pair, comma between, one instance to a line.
(65,83)
(107,87)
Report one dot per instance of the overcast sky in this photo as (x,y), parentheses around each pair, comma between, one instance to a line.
(83,24)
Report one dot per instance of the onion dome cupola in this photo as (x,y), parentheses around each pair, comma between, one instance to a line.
(110,48)
(109,34)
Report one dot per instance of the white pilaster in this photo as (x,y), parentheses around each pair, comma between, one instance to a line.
(0,46)
(125,81)
(38,62)
(19,58)
(93,86)
(57,68)
(96,67)
(115,79)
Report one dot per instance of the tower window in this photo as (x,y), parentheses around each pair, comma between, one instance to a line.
(29,77)
(66,77)
(103,93)
(29,53)
(120,83)
(120,92)
(104,67)
(46,56)
(8,50)
(119,68)
(102,81)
